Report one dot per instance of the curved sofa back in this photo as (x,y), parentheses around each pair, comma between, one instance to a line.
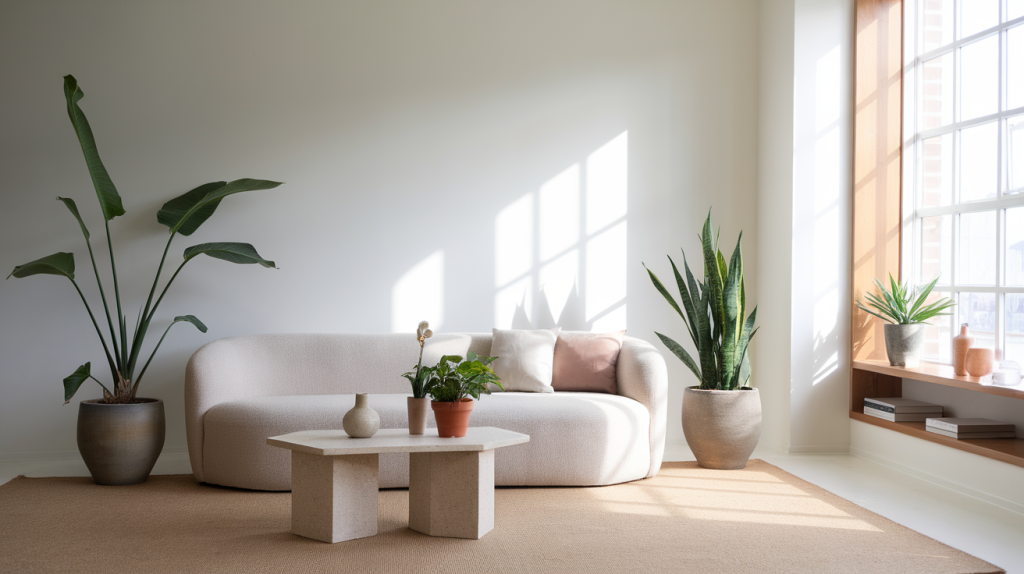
(327,364)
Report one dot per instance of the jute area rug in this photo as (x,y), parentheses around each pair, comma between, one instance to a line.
(687,519)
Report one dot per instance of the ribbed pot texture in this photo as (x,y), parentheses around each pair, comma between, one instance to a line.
(452,418)
(903,344)
(417,414)
(722,427)
(120,443)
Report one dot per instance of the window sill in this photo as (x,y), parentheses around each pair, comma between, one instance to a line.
(940,374)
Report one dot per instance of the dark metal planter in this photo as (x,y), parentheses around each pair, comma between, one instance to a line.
(120,443)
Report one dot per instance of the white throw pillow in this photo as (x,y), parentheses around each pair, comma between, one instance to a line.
(525,358)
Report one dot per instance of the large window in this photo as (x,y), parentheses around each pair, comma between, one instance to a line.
(963,166)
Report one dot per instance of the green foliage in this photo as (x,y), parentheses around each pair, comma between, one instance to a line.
(904,305)
(453,378)
(713,311)
(183,214)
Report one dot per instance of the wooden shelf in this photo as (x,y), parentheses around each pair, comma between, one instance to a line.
(1004,449)
(940,375)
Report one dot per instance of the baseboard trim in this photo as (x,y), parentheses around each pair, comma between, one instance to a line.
(981,495)
(167,452)
(820,449)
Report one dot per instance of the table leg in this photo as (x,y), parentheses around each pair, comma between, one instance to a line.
(452,493)
(334,498)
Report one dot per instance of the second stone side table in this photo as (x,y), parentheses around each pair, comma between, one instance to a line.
(451,481)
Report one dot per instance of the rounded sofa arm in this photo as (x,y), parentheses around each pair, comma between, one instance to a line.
(214,374)
(643,376)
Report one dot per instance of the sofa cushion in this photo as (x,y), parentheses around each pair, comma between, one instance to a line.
(525,358)
(576,439)
(586,362)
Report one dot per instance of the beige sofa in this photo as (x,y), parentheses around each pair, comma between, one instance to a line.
(241,390)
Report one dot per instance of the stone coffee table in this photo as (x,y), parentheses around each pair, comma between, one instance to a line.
(451,481)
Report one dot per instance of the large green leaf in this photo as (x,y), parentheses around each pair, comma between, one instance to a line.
(185,213)
(234,252)
(70,203)
(732,321)
(688,301)
(75,380)
(705,342)
(190,319)
(56,264)
(680,352)
(110,201)
(664,293)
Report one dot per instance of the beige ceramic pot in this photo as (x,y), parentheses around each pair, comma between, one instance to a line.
(120,443)
(361,421)
(417,414)
(722,427)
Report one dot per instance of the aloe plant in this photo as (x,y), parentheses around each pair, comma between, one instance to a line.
(182,215)
(713,316)
(904,305)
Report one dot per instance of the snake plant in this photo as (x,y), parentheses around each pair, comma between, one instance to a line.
(713,316)
(182,215)
(904,305)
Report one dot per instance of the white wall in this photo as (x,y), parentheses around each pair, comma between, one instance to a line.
(804,195)
(401,130)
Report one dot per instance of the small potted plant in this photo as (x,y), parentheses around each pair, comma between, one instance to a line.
(417,403)
(905,314)
(453,384)
(721,416)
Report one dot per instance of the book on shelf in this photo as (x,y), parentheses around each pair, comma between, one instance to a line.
(901,405)
(969,435)
(962,425)
(901,417)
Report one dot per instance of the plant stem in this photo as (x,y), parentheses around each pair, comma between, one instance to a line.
(101,384)
(143,326)
(106,308)
(117,297)
(135,387)
(106,351)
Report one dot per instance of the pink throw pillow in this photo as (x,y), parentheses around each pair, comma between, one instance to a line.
(586,362)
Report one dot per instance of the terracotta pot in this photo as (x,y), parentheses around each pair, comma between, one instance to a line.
(722,427)
(417,414)
(361,421)
(452,418)
(120,443)
(979,361)
(903,344)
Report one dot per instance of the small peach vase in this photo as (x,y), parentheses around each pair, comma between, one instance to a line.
(961,343)
(979,361)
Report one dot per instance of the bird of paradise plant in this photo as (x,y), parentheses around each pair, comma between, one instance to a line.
(182,215)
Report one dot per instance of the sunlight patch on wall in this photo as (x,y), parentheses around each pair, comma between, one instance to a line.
(419,295)
(560,255)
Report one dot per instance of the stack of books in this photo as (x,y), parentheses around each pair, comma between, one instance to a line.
(900,410)
(970,428)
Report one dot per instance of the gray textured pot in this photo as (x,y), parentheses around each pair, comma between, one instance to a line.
(120,443)
(903,344)
(722,427)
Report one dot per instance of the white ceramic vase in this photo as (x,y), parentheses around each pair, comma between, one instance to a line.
(361,421)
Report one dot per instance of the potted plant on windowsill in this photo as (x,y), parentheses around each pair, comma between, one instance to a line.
(721,416)
(905,314)
(121,435)
(453,384)
(416,405)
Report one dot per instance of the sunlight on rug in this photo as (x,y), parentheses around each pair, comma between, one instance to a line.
(687,519)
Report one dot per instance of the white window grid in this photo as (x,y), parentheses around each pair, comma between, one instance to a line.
(913,214)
